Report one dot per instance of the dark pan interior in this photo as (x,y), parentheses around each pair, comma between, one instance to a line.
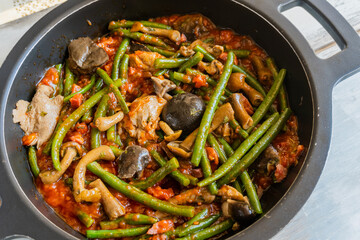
(51,49)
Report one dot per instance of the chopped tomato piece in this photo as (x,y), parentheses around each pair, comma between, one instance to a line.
(160,193)
(77,137)
(161,227)
(81,127)
(76,100)
(27,140)
(75,88)
(51,77)
(212,155)
(200,81)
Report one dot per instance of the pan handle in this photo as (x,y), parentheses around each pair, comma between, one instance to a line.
(344,63)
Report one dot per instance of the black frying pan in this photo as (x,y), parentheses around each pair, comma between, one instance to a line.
(309,83)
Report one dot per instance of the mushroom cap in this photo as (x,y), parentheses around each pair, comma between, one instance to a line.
(132,161)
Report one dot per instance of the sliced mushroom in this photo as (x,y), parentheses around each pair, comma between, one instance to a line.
(177,150)
(112,206)
(228,192)
(68,151)
(85,56)
(238,210)
(225,113)
(186,51)
(264,73)
(162,86)
(104,123)
(195,195)
(132,161)
(173,35)
(237,82)
(89,195)
(213,68)
(170,134)
(215,50)
(241,114)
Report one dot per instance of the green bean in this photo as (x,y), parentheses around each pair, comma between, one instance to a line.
(210,231)
(119,54)
(95,139)
(87,117)
(237,186)
(124,66)
(33,161)
(240,151)
(129,218)
(118,140)
(204,223)
(117,152)
(163,52)
(229,152)
(69,80)
(177,175)
(68,123)
(138,195)
(85,218)
(251,156)
(182,77)
(210,110)
(114,89)
(193,180)
(251,192)
(236,143)
(209,40)
(161,72)
(194,60)
(117,233)
(169,62)
(240,53)
(282,93)
(141,37)
(178,91)
(250,79)
(214,143)
(60,81)
(127,24)
(98,85)
(226,146)
(206,168)
(83,90)
(202,214)
(158,175)
(238,129)
(269,99)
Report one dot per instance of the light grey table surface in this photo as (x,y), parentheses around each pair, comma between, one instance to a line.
(333,209)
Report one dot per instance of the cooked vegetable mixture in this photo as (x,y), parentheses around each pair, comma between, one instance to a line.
(161,129)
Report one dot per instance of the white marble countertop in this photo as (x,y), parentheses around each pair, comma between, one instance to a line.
(332,211)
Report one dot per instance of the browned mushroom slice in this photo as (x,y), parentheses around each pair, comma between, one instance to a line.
(213,68)
(195,195)
(225,113)
(170,134)
(132,161)
(264,73)
(104,123)
(85,56)
(112,206)
(162,86)
(228,192)
(177,150)
(240,112)
(237,82)
(89,195)
(68,151)
(238,210)
(173,35)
